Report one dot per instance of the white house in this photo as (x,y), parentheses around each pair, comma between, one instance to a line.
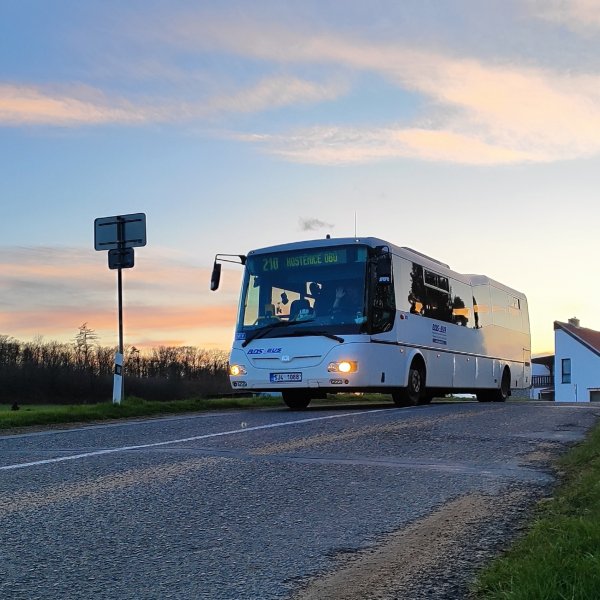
(576,362)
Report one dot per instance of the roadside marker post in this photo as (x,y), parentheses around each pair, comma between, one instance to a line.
(118,379)
(119,235)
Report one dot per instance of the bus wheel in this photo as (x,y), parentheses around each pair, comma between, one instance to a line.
(501,394)
(296,400)
(414,392)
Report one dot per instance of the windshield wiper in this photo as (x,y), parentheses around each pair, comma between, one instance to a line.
(262,332)
(326,334)
(259,333)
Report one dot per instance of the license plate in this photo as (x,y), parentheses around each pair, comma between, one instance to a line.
(279,377)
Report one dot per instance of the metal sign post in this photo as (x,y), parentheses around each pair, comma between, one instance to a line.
(119,235)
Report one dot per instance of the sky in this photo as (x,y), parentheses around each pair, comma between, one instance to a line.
(467,130)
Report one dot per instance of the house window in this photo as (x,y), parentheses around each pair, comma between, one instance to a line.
(566,370)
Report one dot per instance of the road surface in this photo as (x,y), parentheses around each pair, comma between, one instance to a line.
(336,502)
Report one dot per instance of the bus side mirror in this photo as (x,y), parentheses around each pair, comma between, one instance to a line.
(384,269)
(215,278)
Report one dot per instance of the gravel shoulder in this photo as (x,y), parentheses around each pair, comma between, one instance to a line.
(437,557)
(434,558)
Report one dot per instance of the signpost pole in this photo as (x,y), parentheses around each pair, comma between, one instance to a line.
(118,376)
(118,382)
(119,235)
(120,299)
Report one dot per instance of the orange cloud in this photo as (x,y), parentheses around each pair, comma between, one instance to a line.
(151,324)
(576,14)
(333,145)
(52,291)
(477,111)
(275,92)
(142,317)
(28,105)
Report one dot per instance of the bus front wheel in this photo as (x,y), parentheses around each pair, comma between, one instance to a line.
(296,400)
(414,392)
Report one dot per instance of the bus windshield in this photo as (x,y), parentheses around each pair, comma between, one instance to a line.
(318,288)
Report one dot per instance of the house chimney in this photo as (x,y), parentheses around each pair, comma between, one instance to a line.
(574,321)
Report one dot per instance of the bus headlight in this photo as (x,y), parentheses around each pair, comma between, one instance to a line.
(343,366)
(236,370)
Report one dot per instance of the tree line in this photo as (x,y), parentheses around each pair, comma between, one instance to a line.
(82,371)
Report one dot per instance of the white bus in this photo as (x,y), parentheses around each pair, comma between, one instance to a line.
(362,315)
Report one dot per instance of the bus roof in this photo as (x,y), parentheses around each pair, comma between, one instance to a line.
(402,251)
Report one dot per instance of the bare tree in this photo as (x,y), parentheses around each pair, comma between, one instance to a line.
(84,345)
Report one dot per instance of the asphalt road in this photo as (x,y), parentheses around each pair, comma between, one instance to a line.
(262,504)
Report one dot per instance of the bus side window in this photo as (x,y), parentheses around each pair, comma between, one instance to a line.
(383,304)
(462,303)
(481,305)
(416,294)
(437,297)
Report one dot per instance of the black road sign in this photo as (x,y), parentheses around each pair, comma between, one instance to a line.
(121,231)
(121,259)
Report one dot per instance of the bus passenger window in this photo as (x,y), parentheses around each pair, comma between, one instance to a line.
(416,306)
(384,310)
(437,297)
(462,303)
(460,314)
(481,305)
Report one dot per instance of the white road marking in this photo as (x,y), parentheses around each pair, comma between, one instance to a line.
(179,441)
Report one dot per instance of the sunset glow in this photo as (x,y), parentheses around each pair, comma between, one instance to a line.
(469,132)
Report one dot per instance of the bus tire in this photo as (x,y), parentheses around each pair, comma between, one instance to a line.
(502,393)
(498,394)
(296,400)
(414,392)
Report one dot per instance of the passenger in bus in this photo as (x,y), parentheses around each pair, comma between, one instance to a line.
(323,295)
(300,310)
(347,300)
(316,291)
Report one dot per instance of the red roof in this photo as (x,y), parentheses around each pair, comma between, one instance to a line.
(588,337)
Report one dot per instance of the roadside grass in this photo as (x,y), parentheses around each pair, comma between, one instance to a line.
(47,414)
(131,407)
(559,557)
(54,414)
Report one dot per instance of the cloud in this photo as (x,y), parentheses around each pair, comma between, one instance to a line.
(52,291)
(339,146)
(137,317)
(579,15)
(474,111)
(313,224)
(275,92)
(31,105)
(486,115)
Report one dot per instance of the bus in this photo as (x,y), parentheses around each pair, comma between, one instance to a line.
(363,315)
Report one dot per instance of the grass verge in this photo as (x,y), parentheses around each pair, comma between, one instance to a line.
(559,557)
(48,414)
(53,414)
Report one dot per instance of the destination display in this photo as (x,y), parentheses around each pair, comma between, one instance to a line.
(289,260)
